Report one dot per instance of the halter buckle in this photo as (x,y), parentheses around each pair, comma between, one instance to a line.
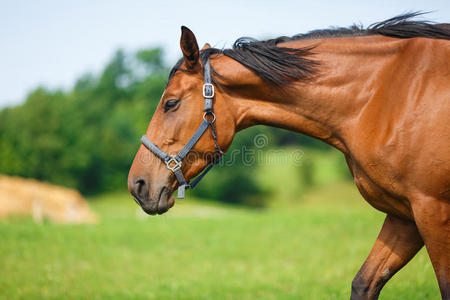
(208,90)
(171,161)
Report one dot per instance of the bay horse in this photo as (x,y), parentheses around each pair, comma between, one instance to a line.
(380,94)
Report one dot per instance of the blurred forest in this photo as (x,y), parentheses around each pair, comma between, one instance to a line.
(86,137)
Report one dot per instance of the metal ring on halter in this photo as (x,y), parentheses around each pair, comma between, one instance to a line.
(209,113)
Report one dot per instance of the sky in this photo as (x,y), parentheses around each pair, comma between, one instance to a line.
(53,43)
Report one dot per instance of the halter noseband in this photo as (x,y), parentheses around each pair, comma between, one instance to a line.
(174,162)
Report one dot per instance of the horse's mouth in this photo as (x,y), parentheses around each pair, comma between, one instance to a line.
(158,206)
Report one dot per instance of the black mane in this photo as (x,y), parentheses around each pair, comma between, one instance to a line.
(281,65)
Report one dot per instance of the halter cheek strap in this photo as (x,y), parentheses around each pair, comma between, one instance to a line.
(174,162)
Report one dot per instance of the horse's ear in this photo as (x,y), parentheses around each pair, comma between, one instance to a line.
(206,46)
(189,47)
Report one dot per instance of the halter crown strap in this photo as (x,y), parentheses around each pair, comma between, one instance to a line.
(208,88)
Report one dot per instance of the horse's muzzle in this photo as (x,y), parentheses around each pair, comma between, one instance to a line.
(161,201)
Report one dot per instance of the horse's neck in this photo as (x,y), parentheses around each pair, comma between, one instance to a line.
(324,107)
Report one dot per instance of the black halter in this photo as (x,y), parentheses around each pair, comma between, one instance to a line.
(174,162)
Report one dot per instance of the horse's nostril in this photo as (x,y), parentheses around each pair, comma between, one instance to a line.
(140,188)
(139,185)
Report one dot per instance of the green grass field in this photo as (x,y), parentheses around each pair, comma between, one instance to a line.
(198,250)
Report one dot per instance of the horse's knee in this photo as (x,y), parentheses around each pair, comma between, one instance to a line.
(360,288)
(365,288)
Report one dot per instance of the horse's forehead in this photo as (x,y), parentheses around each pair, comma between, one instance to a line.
(182,82)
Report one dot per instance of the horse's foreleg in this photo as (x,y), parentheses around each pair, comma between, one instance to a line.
(397,243)
(432,218)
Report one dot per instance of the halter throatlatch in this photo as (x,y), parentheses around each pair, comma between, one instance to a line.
(174,162)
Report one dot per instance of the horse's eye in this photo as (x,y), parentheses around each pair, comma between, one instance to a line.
(170,104)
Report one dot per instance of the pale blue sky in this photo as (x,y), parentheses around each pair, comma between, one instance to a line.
(54,42)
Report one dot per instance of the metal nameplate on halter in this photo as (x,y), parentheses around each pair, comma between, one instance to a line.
(171,161)
(208,87)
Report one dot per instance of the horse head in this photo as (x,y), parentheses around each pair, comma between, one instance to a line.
(184,134)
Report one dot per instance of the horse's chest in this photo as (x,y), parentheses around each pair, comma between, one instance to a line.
(380,193)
